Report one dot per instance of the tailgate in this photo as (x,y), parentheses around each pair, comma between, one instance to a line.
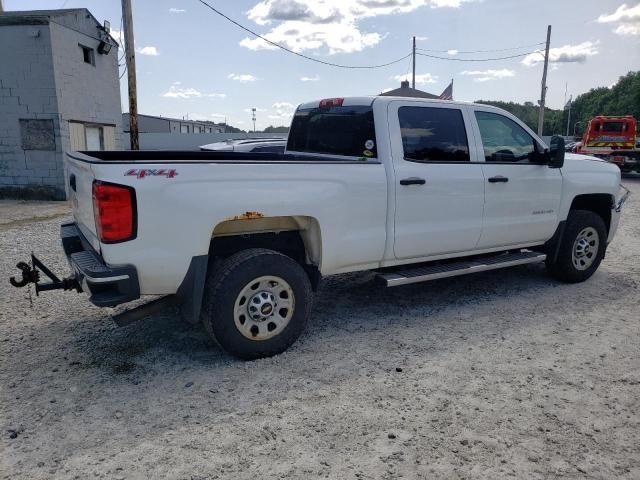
(80,181)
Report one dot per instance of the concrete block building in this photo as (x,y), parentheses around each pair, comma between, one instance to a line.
(155,124)
(59,91)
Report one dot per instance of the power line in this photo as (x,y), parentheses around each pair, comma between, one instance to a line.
(452,59)
(282,47)
(482,51)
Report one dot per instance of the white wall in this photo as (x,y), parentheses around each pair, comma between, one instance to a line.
(173,141)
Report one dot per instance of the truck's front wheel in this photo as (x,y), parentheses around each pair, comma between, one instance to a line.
(581,249)
(256,303)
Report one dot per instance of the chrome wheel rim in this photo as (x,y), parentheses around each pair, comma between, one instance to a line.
(585,248)
(264,307)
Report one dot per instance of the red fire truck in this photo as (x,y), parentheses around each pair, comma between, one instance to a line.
(614,139)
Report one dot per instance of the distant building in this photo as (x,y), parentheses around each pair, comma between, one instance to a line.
(153,124)
(406,91)
(59,91)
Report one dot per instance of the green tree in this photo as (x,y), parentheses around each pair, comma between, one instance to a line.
(272,129)
(623,98)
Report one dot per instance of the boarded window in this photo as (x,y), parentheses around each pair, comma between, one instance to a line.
(37,134)
(94,138)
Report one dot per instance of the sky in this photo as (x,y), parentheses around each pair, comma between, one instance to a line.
(192,62)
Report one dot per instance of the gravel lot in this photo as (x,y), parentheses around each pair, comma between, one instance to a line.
(496,375)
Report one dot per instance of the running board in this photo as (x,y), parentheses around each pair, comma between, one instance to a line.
(433,272)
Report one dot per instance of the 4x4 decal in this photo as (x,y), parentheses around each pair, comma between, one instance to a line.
(151,172)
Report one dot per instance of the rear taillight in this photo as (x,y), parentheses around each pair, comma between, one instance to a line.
(114,208)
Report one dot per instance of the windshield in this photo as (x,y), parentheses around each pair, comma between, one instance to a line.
(613,127)
(344,131)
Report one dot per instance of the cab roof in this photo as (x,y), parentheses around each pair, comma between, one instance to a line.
(369,100)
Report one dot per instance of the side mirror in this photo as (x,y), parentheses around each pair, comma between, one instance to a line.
(556,152)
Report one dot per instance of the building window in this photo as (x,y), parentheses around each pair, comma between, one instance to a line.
(184,128)
(88,55)
(94,138)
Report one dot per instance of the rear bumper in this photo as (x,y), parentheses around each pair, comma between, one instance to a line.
(106,285)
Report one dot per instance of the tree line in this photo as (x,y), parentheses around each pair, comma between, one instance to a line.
(623,98)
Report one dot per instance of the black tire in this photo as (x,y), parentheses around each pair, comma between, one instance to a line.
(230,278)
(564,268)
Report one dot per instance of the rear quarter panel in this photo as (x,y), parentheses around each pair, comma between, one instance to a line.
(176,216)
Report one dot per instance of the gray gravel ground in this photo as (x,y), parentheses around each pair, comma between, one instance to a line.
(499,375)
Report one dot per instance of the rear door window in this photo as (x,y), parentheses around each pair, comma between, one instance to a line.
(433,134)
(339,130)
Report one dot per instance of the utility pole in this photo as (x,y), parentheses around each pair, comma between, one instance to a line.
(1,7)
(569,115)
(543,93)
(253,117)
(130,52)
(413,82)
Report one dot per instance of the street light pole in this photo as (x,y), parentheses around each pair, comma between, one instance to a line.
(253,117)
(569,115)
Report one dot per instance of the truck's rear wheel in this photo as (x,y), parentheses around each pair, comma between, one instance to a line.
(256,303)
(581,249)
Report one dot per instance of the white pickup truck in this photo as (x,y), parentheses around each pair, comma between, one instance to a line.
(412,189)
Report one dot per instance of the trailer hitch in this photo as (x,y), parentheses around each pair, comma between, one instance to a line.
(31,274)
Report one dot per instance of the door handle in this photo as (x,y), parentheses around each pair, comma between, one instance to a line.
(498,179)
(413,181)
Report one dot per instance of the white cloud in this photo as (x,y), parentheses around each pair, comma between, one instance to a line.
(177,10)
(218,115)
(421,79)
(282,105)
(486,75)
(242,77)
(622,14)
(118,36)
(281,111)
(175,91)
(310,79)
(149,51)
(198,117)
(565,54)
(628,29)
(310,24)
(626,18)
